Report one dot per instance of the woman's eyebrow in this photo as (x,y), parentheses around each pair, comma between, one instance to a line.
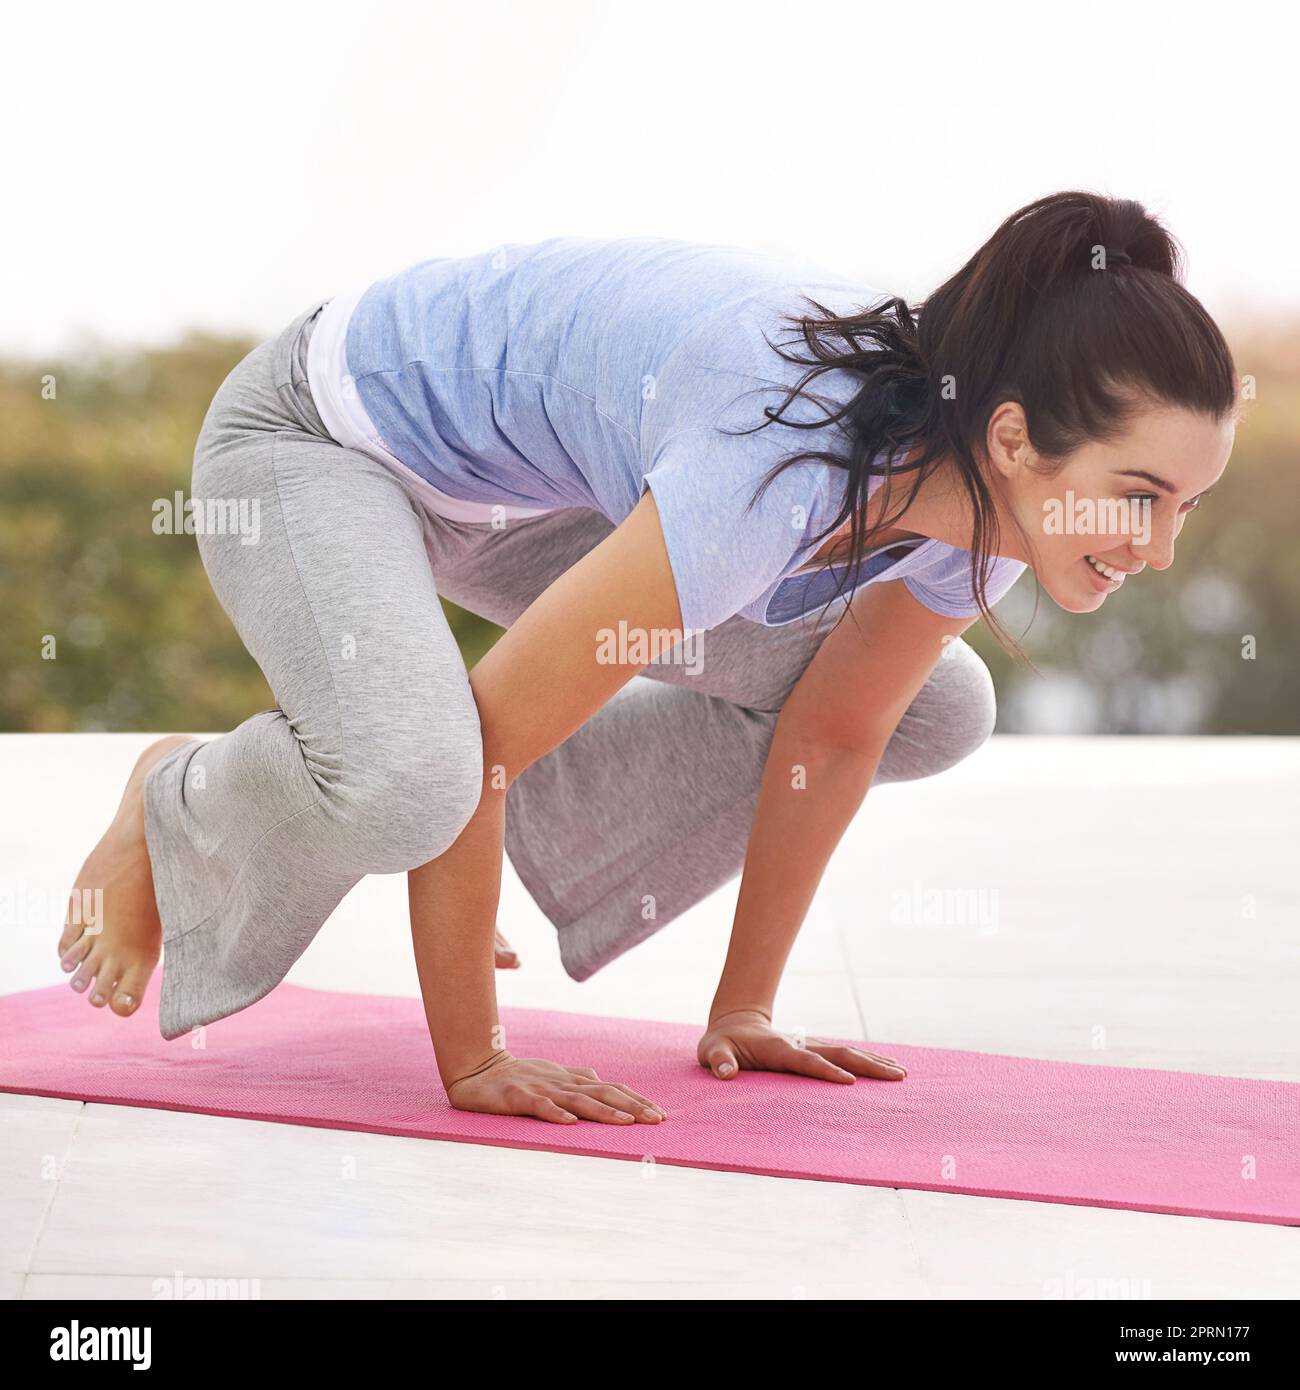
(1150,478)
(1156,481)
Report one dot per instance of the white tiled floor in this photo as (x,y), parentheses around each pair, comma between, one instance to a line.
(1136,908)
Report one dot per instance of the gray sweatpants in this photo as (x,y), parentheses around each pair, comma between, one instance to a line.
(371,760)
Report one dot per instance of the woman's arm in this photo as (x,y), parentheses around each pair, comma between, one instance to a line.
(829,739)
(542,680)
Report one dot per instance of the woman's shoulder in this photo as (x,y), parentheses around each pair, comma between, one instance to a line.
(942,578)
(737,360)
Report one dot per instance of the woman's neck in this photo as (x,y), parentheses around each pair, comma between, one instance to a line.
(940,511)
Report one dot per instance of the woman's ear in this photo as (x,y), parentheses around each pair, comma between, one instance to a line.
(1007,440)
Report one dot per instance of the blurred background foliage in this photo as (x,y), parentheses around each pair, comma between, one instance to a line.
(141,644)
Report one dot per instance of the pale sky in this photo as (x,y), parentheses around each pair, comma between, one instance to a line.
(223,165)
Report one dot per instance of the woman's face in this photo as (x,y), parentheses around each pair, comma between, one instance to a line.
(1120,504)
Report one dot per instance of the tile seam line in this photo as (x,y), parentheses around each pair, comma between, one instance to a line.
(49,1206)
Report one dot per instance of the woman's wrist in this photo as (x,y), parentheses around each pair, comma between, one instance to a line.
(724,1009)
(463,1069)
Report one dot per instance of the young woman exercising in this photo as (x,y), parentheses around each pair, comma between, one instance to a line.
(613,447)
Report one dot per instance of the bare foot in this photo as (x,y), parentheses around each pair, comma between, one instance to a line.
(506,959)
(112,935)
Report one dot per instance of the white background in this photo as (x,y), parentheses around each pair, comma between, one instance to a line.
(223,164)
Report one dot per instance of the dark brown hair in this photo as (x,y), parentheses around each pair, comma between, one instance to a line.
(1039,315)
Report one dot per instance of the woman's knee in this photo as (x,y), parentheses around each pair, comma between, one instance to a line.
(409,799)
(951,717)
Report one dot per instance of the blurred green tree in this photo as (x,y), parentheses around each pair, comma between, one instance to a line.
(108,625)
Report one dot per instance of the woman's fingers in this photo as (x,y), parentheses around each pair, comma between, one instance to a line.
(720,1059)
(551,1092)
(860,1063)
(805,1062)
(543,1109)
(636,1096)
(764,1049)
(623,1098)
(646,1101)
(587,1107)
(583,1075)
(506,958)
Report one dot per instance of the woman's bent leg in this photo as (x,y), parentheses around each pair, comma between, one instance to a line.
(371,760)
(647,808)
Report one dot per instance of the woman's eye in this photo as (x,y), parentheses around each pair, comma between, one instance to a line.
(1151,497)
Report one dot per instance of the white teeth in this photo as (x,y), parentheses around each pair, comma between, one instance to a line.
(1105,570)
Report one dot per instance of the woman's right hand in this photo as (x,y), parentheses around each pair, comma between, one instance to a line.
(548,1091)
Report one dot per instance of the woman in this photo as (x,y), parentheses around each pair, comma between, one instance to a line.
(615,447)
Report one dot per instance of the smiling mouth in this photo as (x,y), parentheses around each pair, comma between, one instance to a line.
(1108,576)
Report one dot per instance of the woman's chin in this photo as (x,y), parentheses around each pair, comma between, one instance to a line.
(1074,598)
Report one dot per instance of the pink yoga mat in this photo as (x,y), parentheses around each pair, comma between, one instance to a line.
(967,1122)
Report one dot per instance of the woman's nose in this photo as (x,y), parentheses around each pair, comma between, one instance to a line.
(1158,552)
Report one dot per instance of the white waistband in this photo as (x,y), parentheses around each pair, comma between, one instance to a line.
(345,418)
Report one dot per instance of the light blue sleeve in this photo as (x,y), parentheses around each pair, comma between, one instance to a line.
(945,587)
(725,554)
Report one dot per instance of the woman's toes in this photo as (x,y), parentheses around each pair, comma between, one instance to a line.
(103,990)
(76,953)
(129,992)
(81,981)
(72,933)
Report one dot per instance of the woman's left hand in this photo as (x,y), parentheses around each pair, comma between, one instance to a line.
(745,1040)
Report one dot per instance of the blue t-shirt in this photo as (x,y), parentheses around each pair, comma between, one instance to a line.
(576,372)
